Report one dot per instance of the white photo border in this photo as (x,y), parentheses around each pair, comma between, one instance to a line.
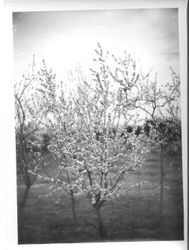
(7,104)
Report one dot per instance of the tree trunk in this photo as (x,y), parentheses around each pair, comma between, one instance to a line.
(161,193)
(25,197)
(101,227)
(161,182)
(73,206)
(72,198)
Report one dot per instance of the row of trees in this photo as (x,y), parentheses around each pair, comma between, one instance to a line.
(88,130)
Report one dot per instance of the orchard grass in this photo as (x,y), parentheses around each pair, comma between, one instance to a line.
(133,216)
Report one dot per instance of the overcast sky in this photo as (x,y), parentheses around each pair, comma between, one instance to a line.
(67,38)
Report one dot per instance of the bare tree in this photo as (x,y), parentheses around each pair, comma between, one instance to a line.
(28,145)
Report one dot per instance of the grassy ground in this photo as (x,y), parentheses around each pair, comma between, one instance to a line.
(134,216)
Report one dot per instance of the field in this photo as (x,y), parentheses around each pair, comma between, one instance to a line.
(133,216)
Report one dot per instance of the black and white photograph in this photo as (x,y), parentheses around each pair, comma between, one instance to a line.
(98,125)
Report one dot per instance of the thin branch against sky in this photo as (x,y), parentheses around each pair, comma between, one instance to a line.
(67,38)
